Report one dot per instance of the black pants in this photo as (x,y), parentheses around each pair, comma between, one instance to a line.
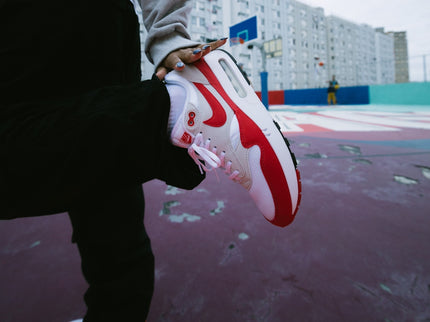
(80,133)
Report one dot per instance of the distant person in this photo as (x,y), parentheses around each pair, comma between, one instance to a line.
(333,86)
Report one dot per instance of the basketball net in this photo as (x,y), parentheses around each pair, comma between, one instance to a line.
(236,41)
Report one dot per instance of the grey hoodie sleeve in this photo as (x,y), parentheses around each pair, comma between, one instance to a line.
(166,22)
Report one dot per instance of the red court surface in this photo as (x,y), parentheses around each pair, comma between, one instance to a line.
(357,251)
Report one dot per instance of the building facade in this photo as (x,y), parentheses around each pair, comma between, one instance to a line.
(311,47)
(301,32)
(401,56)
(385,56)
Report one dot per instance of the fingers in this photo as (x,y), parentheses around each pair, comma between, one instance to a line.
(194,54)
(178,59)
(207,48)
(161,72)
(172,61)
(218,43)
(191,55)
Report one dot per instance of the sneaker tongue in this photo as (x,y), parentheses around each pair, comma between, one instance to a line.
(177,103)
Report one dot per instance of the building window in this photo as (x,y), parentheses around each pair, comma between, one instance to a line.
(291,30)
(290,19)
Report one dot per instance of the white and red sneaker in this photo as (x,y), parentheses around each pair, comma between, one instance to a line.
(225,125)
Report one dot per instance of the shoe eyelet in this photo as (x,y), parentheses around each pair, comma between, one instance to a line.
(191,117)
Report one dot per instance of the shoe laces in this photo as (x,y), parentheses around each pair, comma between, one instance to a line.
(207,158)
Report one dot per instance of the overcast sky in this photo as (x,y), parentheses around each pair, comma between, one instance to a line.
(412,16)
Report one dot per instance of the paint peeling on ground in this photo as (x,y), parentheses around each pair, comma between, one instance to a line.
(316,156)
(405,180)
(351,149)
(304,145)
(166,211)
(173,191)
(217,210)
(385,288)
(243,236)
(183,217)
(202,190)
(167,206)
(424,170)
(36,243)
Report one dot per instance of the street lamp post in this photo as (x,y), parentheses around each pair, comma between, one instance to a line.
(264,75)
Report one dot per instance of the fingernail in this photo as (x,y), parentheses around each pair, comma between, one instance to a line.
(180,64)
(195,52)
(205,47)
(224,38)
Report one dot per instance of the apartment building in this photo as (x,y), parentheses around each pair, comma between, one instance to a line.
(352,52)
(401,56)
(301,31)
(311,46)
(305,46)
(207,20)
(385,57)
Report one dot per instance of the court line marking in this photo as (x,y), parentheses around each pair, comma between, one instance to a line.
(349,121)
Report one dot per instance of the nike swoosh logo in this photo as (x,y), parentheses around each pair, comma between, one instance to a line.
(219,116)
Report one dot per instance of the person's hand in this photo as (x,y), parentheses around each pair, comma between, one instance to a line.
(179,58)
